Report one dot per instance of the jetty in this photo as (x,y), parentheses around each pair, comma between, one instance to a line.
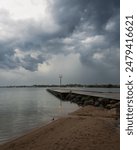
(86,92)
(85,96)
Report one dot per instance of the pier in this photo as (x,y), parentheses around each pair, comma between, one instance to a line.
(87,92)
(85,96)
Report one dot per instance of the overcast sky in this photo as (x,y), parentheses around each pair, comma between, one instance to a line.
(40,39)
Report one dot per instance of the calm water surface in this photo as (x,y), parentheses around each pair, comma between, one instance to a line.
(22,109)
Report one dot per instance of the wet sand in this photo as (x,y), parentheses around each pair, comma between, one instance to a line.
(89,128)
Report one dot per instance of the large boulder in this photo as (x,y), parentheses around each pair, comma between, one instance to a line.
(89,102)
(97,103)
(105,102)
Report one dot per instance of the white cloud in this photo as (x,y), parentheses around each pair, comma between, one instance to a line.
(64,64)
(24,9)
(111,24)
(93,40)
(17,17)
(68,40)
(98,56)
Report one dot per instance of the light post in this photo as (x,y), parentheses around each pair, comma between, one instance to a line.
(60,79)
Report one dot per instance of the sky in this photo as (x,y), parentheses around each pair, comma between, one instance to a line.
(40,39)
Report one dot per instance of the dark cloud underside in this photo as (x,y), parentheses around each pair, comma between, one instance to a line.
(89,28)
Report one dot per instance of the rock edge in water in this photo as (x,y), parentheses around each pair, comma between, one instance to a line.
(83,100)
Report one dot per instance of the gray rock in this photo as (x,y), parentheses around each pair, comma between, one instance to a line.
(112,101)
(97,103)
(105,102)
(100,99)
(89,102)
(108,106)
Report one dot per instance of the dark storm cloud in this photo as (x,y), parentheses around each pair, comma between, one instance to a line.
(70,13)
(87,27)
(6,54)
(78,16)
(31,63)
(8,60)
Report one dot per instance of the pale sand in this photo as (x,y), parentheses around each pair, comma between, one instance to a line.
(89,128)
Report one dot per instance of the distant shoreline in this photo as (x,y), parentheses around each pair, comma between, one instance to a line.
(66,85)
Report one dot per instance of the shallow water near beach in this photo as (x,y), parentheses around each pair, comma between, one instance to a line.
(22,109)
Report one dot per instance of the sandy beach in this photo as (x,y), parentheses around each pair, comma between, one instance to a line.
(89,128)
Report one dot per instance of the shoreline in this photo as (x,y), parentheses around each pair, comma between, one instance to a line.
(84,126)
(44,124)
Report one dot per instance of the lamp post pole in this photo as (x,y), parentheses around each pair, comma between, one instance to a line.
(60,79)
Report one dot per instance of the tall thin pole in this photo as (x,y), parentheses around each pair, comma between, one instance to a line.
(60,79)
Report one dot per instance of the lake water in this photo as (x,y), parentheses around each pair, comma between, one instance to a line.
(22,109)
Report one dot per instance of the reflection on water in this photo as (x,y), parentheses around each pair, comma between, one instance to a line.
(22,109)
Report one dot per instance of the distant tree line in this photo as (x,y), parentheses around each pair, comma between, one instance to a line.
(66,85)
